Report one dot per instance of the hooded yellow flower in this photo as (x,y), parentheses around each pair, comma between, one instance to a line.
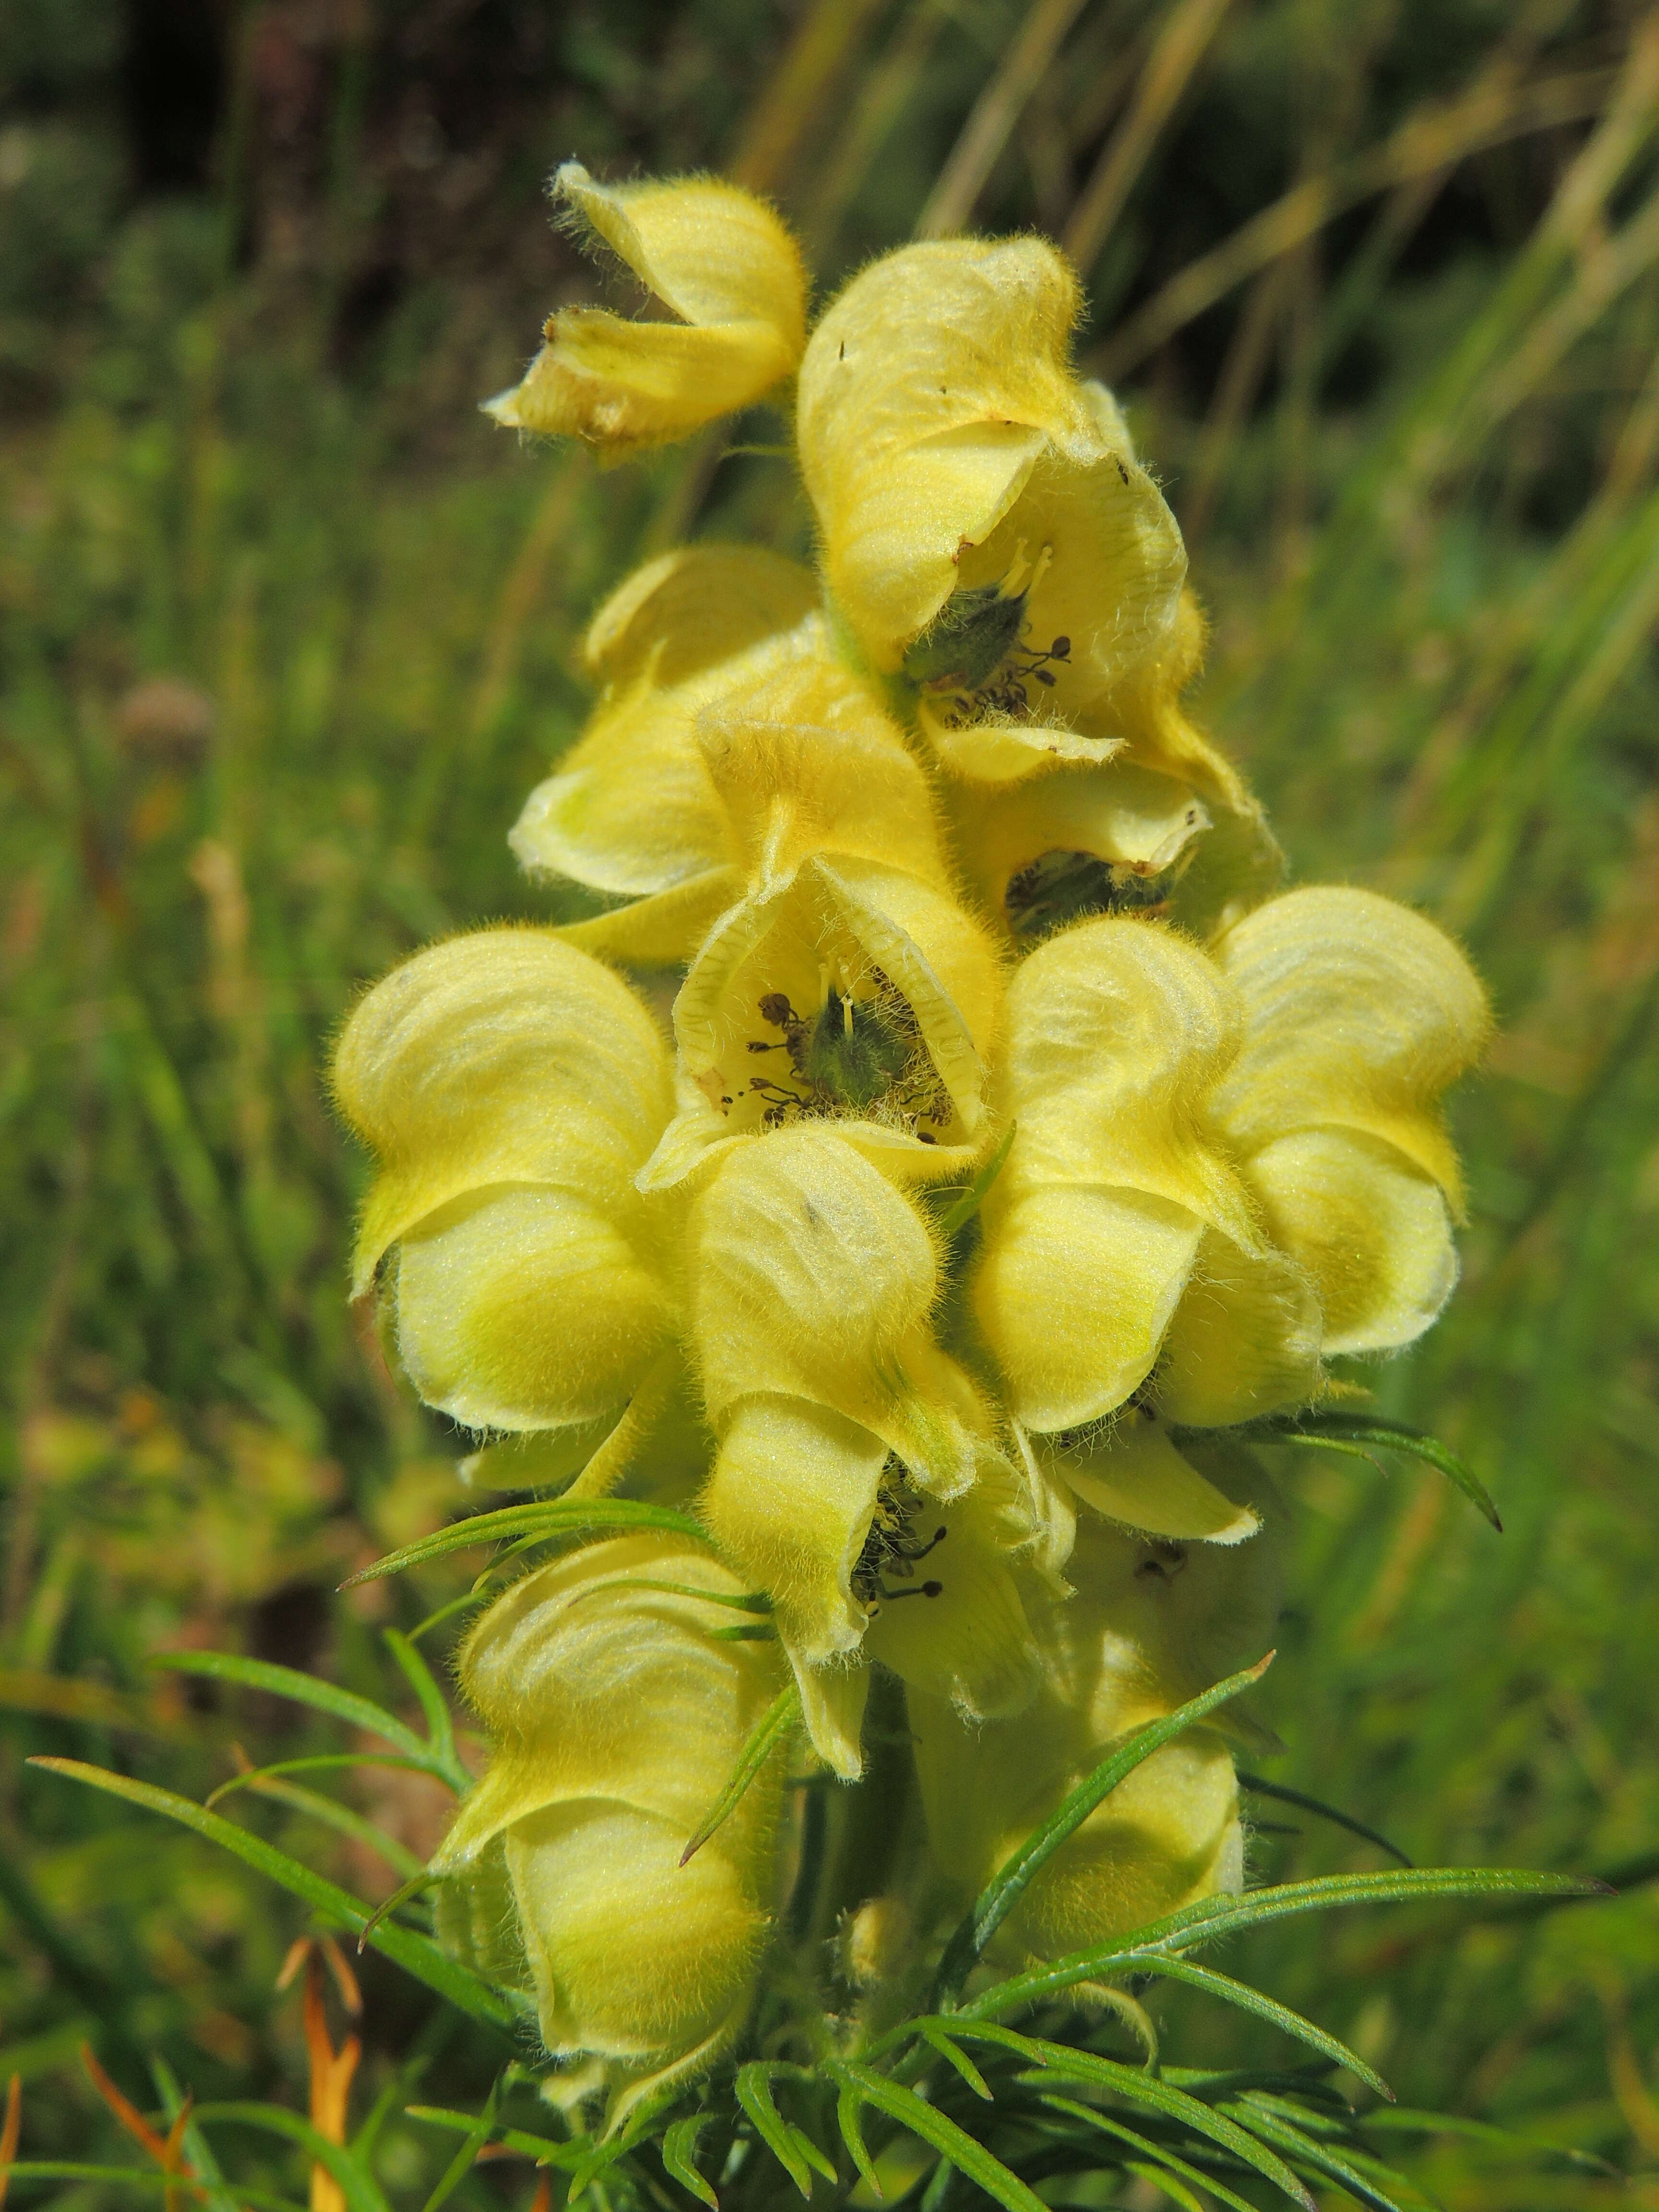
(1357,1015)
(843,989)
(851,1448)
(730,275)
(728,744)
(617,1711)
(1223,1166)
(511,1087)
(1153,1624)
(988,535)
(1120,1236)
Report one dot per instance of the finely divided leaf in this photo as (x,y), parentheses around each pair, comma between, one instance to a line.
(305,1690)
(678,2151)
(932,2126)
(557,1517)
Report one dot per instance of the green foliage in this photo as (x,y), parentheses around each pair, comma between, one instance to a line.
(287,632)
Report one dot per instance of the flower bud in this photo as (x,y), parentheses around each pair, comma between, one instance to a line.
(511,1087)
(730,273)
(618,1711)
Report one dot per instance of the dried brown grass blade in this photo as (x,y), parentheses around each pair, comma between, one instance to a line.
(993,115)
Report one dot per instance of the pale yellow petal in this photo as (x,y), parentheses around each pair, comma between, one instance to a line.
(634,1956)
(1133,1473)
(723,263)
(693,607)
(1117,1031)
(789,1503)
(832,1700)
(1358,1013)
(504,1056)
(1125,830)
(660,930)
(929,390)
(955,1626)
(529,1307)
(1372,1229)
(1245,1339)
(996,750)
(1074,1289)
(811,1276)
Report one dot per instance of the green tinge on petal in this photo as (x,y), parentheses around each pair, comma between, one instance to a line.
(1073,1291)
(1244,1340)
(527,1308)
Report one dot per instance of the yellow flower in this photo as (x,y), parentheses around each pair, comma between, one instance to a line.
(989,537)
(511,1087)
(1151,1623)
(729,744)
(1357,1015)
(848,1440)
(731,275)
(617,1712)
(1120,1236)
(843,988)
(1225,1166)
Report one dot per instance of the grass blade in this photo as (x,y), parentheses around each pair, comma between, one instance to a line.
(304,1690)
(416,1954)
(557,1517)
(922,2120)
(320,1762)
(1288,1796)
(678,2150)
(1404,2120)
(1292,2141)
(345,1822)
(1003,1892)
(847,2108)
(440,1724)
(774,1727)
(53,2169)
(546,2150)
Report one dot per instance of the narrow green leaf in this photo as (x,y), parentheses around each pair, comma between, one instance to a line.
(962,1210)
(546,2150)
(1003,1892)
(1295,2143)
(303,1689)
(344,1820)
(678,2152)
(416,1954)
(1384,1434)
(197,2152)
(924,2120)
(358,2186)
(1165,2183)
(1288,1796)
(1108,2125)
(774,1727)
(848,2104)
(439,1725)
(318,1763)
(1264,2007)
(450,2180)
(553,1517)
(1212,1917)
(754,2093)
(954,2056)
(750,1601)
(1137,2087)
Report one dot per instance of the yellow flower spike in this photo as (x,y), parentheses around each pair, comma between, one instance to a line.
(842,989)
(844,1429)
(1358,1014)
(617,1714)
(1118,1222)
(723,265)
(1151,1624)
(987,531)
(511,1086)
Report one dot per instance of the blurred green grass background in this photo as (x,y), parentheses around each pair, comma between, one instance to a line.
(289,630)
